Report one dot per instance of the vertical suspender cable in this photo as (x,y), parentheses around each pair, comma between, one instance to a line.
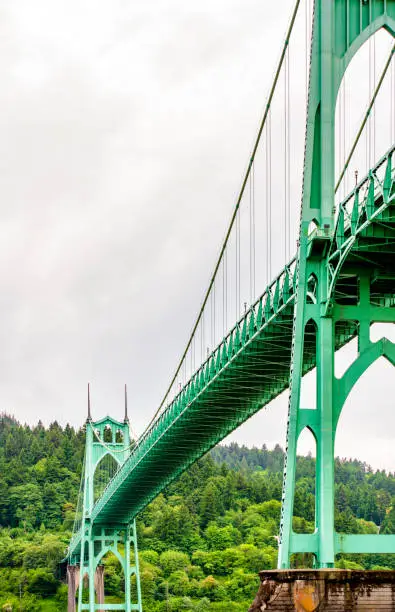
(393,101)
(367,149)
(237,268)
(252,234)
(374,108)
(226,288)
(211,317)
(223,295)
(250,219)
(214,317)
(308,34)
(266,238)
(392,105)
(285,156)
(370,94)
(236,208)
(268,201)
(288,156)
(339,110)
(287,211)
(344,132)
(238,237)
(366,117)
(203,339)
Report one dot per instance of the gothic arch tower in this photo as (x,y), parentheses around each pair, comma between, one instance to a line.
(108,445)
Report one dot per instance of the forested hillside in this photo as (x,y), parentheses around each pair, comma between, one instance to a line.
(201,542)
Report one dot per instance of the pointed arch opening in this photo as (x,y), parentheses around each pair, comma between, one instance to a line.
(312,289)
(347,354)
(107,435)
(83,583)
(308,384)
(382,330)
(304,502)
(113,581)
(119,437)
(363,449)
(313,226)
(105,470)
(304,507)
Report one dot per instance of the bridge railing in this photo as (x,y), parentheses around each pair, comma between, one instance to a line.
(276,296)
(277,292)
(260,311)
(361,202)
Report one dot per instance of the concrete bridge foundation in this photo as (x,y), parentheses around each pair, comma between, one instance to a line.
(73,582)
(325,590)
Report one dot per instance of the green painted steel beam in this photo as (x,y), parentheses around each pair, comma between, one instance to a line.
(350,543)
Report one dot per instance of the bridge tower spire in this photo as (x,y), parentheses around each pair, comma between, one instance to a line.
(108,445)
(339,30)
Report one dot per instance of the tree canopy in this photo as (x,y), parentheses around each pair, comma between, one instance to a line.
(201,541)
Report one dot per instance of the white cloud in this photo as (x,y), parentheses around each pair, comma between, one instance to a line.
(124,131)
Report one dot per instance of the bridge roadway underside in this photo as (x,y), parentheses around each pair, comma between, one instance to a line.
(252,365)
(252,374)
(258,373)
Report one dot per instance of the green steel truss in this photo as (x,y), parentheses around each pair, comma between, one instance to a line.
(340,282)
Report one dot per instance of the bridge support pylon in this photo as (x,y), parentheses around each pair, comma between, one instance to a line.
(108,445)
(89,575)
(339,291)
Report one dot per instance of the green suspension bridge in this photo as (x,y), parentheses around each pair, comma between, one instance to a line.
(249,345)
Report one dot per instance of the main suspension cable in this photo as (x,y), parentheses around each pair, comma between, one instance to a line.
(235,210)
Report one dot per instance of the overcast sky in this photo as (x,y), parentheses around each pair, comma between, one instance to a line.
(125,128)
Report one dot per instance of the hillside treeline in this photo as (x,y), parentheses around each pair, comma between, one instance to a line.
(202,541)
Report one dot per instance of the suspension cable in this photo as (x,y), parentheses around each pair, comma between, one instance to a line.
(237,260)
(269,197)
(288,100)
(252,234)
(374,108)
(236,208)
(344,120)
(392,104)
(286,159)
(366,117)
(79,498)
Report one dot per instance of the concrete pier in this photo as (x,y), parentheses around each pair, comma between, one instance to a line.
(305,590)
(99,584)
(73,580)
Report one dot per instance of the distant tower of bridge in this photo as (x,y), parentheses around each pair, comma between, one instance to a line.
(108,445)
